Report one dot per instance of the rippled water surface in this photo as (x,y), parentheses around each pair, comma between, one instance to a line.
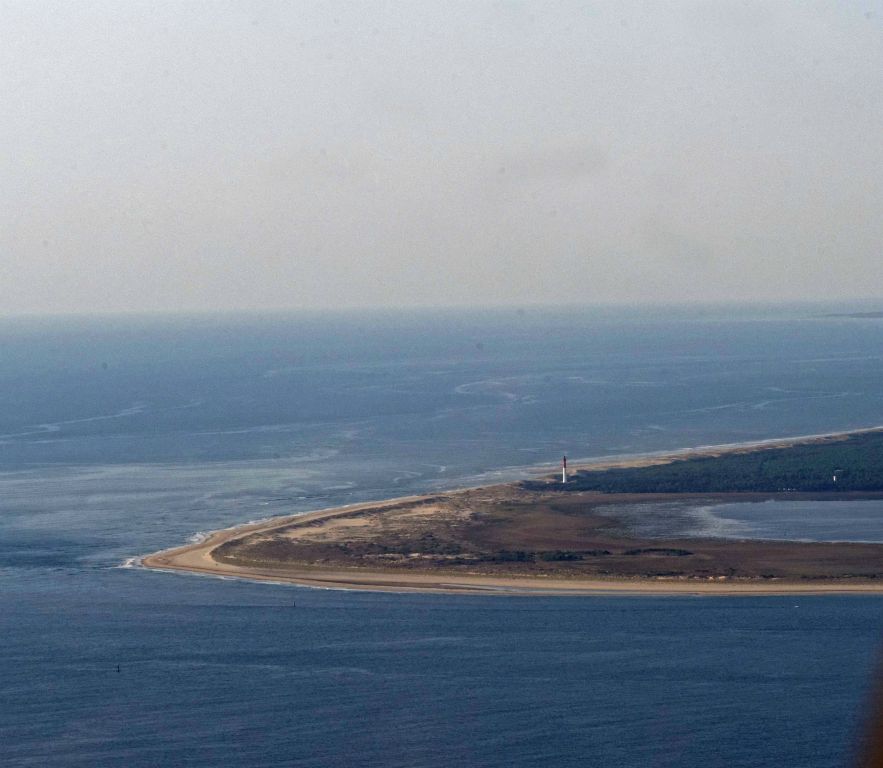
(119,437)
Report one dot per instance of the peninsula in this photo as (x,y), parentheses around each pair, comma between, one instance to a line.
(584,537)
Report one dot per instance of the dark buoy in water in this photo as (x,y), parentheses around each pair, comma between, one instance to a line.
(118,667)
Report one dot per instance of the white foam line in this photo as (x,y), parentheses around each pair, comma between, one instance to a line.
(41,429)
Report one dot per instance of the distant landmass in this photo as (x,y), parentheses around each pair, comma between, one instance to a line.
(856,315)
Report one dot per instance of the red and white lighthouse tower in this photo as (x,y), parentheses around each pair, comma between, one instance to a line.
(564,469)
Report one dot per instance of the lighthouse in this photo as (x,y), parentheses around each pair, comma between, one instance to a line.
(564,469)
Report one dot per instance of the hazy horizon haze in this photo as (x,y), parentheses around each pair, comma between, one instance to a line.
(170,157)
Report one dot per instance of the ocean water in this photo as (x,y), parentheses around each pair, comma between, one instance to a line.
(120,436)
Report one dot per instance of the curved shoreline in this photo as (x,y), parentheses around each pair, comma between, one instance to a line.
(197,557)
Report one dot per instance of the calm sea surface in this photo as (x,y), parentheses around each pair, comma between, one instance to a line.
(122,436)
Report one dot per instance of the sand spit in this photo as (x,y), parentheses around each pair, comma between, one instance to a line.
(397,569)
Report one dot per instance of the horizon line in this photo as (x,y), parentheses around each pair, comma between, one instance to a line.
(517,307)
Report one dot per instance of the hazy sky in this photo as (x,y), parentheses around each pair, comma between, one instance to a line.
(194,156)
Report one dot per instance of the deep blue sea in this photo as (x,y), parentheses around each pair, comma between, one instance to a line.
(120,436)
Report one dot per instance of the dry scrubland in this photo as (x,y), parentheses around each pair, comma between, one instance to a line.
(504,531)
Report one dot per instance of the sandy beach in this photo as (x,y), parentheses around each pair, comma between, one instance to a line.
(391,519)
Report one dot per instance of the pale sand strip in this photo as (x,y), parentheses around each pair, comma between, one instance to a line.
(197,557)
(201,563)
